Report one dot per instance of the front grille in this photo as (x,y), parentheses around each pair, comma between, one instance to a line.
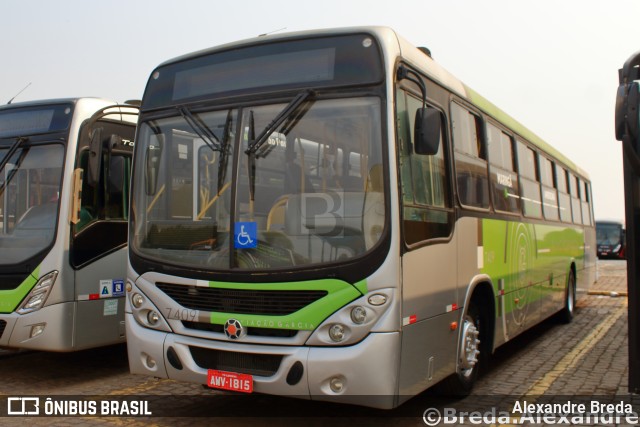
(262,365)
(3,324)
(240,301)
(251,331)
(11,281)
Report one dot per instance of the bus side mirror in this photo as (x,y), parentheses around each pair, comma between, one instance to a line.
(116,165)
(152,168)
(627,114)
(115,175)
(427,127)
(95,157)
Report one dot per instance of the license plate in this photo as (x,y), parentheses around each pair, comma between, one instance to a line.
(231,381)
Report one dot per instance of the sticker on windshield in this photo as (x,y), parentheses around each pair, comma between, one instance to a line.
(245,235)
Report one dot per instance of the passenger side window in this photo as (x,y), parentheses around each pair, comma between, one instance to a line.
(529,181)
(425,193)
(470,156)
(586,204)
(504,180)
(576,208)
(564,200)
(549,192)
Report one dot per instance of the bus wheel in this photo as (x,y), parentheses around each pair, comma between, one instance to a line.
(469,358)
(567,313)
(469,349)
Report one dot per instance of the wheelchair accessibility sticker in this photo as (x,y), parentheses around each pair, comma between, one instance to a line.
(245,235)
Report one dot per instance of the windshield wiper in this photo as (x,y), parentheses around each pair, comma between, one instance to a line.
(212,141)
(224,151)
(19,141)
(200,128)
(291,113)
(252,158)
(8,177)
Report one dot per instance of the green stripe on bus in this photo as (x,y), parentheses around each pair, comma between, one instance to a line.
(10,299)
(531,260)
(339,294)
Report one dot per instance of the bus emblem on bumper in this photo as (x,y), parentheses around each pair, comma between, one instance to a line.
(234,330)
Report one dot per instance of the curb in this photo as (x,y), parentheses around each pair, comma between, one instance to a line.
(612,294)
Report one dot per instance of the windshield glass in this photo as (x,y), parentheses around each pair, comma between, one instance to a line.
(317,192)
(29,191)
(608,234)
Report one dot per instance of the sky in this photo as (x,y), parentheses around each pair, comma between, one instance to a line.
(550,64)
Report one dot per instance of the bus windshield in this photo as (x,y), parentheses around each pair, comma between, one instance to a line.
(29,192)
(608,233)
(311,193)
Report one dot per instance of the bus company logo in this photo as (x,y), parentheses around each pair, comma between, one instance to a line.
(23,406)
(234,330)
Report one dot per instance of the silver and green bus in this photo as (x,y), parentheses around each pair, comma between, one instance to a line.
(331,215)
(64,191)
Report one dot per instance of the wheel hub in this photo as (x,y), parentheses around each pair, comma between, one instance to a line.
(470,347)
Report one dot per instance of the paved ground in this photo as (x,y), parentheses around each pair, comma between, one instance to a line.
(583,361)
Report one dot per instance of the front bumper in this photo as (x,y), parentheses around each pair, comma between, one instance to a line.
(367,370)
(57,320)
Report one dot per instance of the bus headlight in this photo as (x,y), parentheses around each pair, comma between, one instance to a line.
(353,322)
(358,314)
(153,317)
(137,300)
(336,332)
(145,312)
(38,295)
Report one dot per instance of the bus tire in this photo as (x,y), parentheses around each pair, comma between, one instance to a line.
(472,353)
(568,311)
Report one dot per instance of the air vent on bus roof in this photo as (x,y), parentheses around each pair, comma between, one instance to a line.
(426,51)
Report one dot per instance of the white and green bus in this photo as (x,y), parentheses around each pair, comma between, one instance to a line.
(64,191)
(331,215)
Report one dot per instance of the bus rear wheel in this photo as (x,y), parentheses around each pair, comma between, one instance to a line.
(567,313)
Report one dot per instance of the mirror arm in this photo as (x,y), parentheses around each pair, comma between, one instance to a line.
(405,73)
(630,71)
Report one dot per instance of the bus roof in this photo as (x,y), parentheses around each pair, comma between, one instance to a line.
(47,102)
(610,221)
(415,56)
